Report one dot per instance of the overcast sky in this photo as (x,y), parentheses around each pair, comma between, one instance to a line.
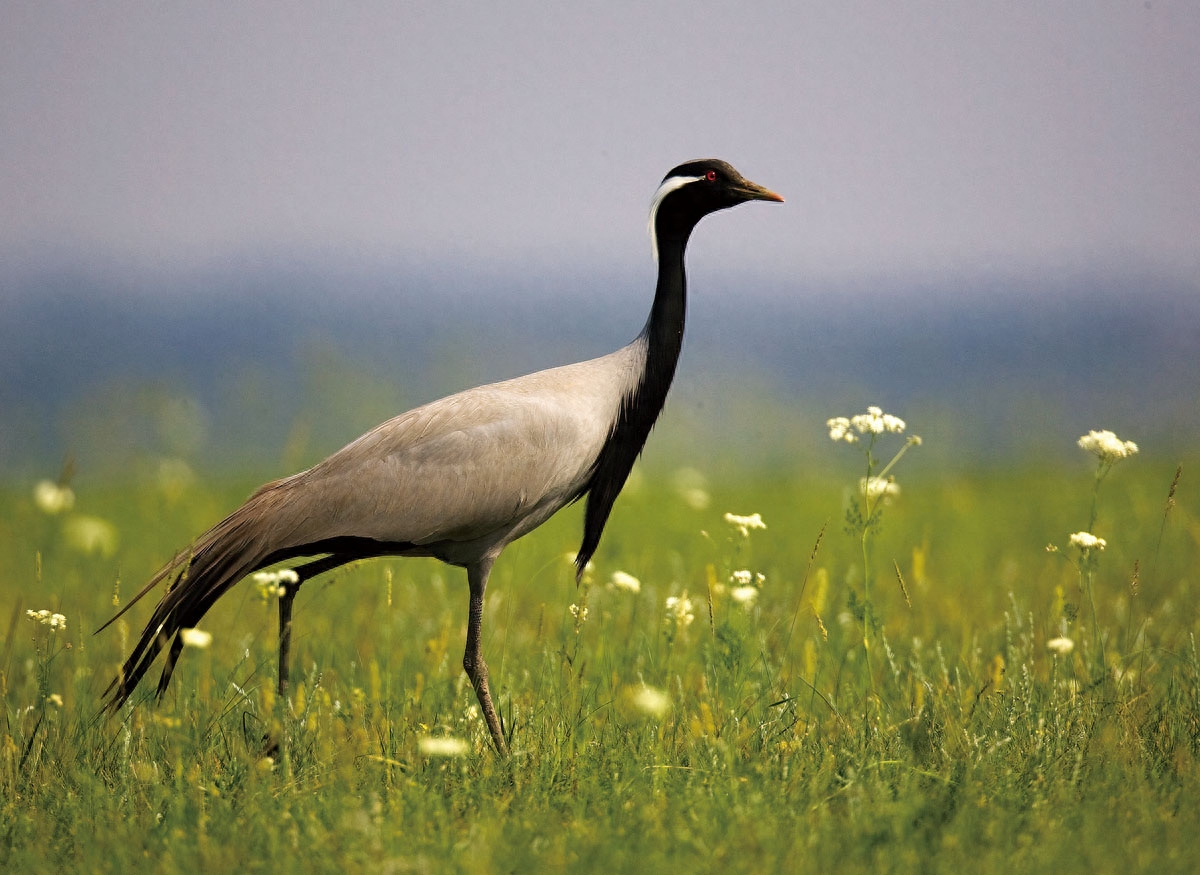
(919,136)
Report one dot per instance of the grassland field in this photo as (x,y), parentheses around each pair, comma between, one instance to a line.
(760,735)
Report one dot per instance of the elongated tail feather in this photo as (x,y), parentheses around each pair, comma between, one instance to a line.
(221,557)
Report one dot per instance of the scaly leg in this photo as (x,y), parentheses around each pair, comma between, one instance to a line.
(304,572)
(477,670)
(285,633)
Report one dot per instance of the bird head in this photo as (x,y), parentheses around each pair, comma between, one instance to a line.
(694,189)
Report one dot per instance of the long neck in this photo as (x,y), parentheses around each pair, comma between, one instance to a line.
(664,327)
(662,339)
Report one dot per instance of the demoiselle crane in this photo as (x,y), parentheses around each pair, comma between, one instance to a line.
(458,478)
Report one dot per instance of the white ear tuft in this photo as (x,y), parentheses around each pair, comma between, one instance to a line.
(669,185)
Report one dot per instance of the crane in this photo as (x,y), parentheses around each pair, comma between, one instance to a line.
(459,478)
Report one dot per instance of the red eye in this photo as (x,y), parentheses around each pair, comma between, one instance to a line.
(711,176)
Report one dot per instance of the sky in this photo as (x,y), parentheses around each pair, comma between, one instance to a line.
(918,137)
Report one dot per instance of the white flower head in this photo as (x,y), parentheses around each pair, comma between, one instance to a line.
(876,488)
(873,422)
(52,498)
(680,610)
(443,746)
(1087,542)
(746,577)
(579,613)
(744,524)
(839,430)
(1107,447)
(624,581)
(1060,646)
(651,701)
(744,595)
(56,622)
(197,638)
(273,584)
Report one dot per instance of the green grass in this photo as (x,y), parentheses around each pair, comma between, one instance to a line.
(971,747)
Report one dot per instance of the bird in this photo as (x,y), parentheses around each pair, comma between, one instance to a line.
(459,478)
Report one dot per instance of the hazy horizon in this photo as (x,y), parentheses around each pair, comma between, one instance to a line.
(917,141)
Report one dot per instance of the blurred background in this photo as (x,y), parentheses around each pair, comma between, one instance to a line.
(238,236)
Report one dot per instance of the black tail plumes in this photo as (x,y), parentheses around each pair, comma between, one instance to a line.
(219,559)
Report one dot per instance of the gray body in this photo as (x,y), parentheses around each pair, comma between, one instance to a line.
(462,477)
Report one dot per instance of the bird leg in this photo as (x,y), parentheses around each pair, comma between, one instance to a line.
(287,596)
(477,670)
(285,633)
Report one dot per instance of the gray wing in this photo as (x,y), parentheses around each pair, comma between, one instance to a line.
(461,468)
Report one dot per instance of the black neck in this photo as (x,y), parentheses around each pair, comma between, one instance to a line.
(663,339)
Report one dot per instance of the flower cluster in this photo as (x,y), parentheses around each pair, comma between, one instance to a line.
(1060,646)
(1107,447)
(197,638)
(746,577)
(270,584)
(746,586)
(54,621)
(651,701)
(680,610)
(627,582)
(1087,542)
(744,524)
(579,613)
(443,746)
(875,488)
(52,498)
(874,421)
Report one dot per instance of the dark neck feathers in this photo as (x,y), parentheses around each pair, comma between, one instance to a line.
(663,340)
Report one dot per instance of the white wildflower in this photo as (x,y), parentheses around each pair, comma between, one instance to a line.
(627,582)
(680,610)
(1087,542)
(52,498)
(651,701)
(443,746)
(746,577)
(744,595)
(870,422)
(270,584)
(874,421)
(46,618)
(839,429)
(579,613)
(197,638)
(879,487)
(1107,446)
(744,524)
(1060,646)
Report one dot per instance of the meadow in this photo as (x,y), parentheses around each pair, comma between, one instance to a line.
(920,684)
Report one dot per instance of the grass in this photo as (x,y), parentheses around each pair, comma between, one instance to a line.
(970,746)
